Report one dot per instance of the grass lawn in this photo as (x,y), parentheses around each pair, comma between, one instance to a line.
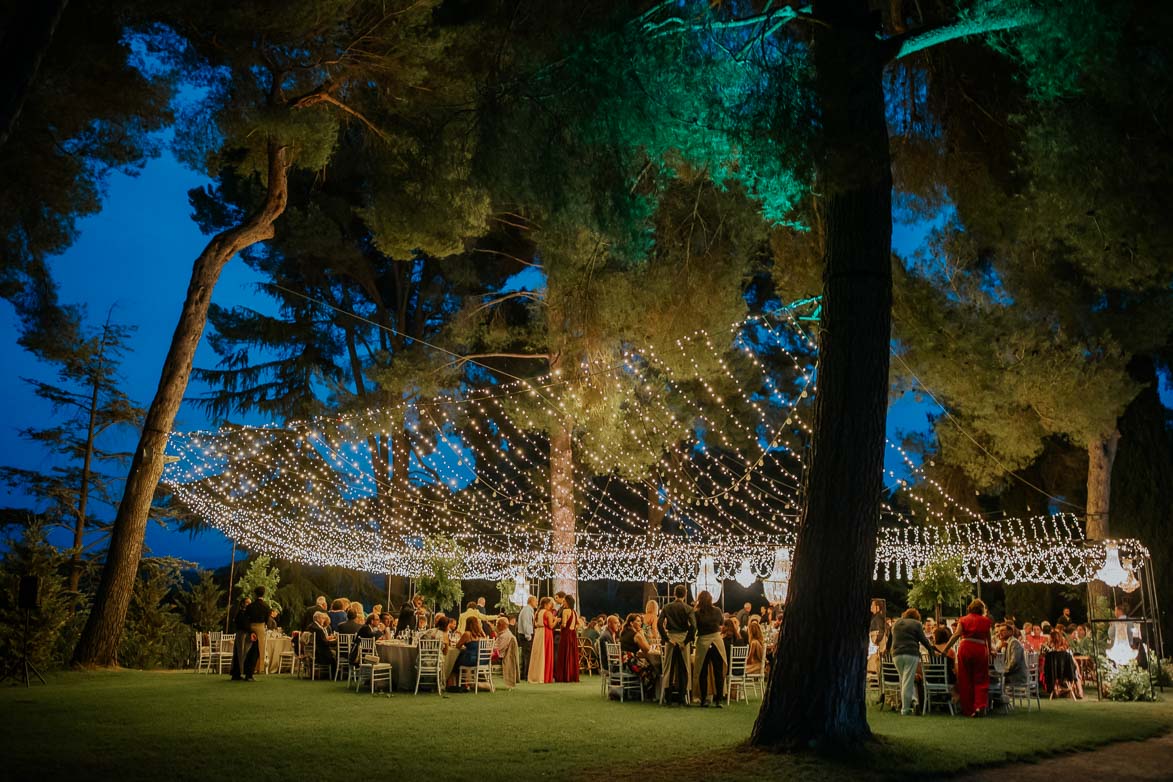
(133,725)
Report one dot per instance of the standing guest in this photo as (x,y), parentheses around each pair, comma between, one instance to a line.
(244,648)
(678,631)
(973,659)
(905,640)
(525,632)
(307,616)
(876,624)
(566,655)
(258,615)
(710,651)
(744,614)
(652,622)
(634,650)
(406,624)
(417,605)
(1065,618)
(541,661)
(338,612)
(352,623)
(473,608)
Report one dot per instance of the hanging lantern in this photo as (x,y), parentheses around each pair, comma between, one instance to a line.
(776,585)
(706,578)
(1112,573)
(745,575)
(520,590)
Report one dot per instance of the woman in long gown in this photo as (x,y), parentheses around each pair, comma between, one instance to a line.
(566,666)
(541,657)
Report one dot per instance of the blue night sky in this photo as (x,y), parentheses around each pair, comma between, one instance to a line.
(136,256)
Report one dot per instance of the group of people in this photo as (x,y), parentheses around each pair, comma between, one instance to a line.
(974,642)
(693,643)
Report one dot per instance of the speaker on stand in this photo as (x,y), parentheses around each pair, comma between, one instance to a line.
(28,598)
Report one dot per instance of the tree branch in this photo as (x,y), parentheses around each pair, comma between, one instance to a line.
(323,95)
(478,356)
(913,41)
(532,295)
(522,261)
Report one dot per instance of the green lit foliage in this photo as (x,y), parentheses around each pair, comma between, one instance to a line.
(155,635)
(938,584)
(30,554)
(260,574)
(205,603)
(441,586)
(1130,683)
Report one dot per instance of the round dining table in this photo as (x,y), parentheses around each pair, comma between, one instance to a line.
(275,646)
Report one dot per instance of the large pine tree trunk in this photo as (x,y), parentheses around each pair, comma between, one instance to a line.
(98,644)
(1101,454)
(562,506)
(815,696)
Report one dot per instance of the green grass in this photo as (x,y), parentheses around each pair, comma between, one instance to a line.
(179,725)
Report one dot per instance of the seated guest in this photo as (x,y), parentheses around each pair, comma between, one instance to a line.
(308,615)
(323,640)
(271,622)
(757,649)
(609,635)
(439,632)
(730,635)
(593,630)
(1015,655)
(505,651)
(634,650)
(338,612)
(940,638)
(368,630)
(352,623)
(1035,639)
(468,644)
(386,626)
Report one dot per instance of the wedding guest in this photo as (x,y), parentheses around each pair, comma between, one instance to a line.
(525,632)
(1035,639)
(609,635)
(369,629)
(468,646)
(352,623)
(730,636)
(323,640)
(677,631)
(566,654)
(505,652)
(905,640)
(541,661)
(244,648)
(709,658)
(258,616)
(1014,655)
(940,638)
(271,622)
(338,612)
(744,614)
(634,650)
(406,624)
(439,632)
(756,661)
(652,622)
(308,615)
(973,635)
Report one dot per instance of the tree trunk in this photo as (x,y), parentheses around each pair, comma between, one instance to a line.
(1101,453)
(815,696)
(83,494)
(656,512)
(98,644)
(22,49)
(562,506)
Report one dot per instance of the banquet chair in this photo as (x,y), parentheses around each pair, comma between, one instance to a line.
(997,691)
(738,655)
(619,677)
(588,659)
(309,663)
(344,642)
(286,658)
(603,665)
(889,681)
(482,671)
(213,651)
(203,653)
(430,665)
(223,654)
(935,675)
(370,667)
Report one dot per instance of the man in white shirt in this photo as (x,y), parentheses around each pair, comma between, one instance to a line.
(525,633)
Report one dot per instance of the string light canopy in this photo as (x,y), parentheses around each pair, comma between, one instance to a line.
(725,434)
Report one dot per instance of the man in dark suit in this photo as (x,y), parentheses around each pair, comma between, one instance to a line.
(258,617)
(308,616)
(353,622)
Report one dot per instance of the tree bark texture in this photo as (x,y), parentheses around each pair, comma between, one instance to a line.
(562,507)
(98,644)
(22,49)
(815,695)
(1101,454)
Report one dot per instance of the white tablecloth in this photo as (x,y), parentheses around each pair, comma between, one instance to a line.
(274,647)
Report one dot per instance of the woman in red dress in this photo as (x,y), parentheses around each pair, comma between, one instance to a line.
(973,659)
(566,667)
